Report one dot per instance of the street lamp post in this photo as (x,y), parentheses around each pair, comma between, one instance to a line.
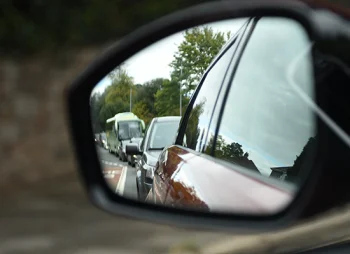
(180,92)
(130,98)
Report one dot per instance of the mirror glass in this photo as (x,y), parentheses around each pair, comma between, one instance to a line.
(247,139)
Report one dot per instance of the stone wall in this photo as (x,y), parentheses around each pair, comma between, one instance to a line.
(34,139)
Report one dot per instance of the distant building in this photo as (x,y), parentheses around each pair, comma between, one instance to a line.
(245,162)
(280,172)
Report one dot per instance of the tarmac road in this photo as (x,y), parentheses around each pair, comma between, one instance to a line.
(123,181)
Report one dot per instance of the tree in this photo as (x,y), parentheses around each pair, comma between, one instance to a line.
(53,25)
(120,87)
(230,152)
(145,99)
(194,55)
(147,93)
(141,109)
(233,150)
(116,97)
(95,107)
(167,99)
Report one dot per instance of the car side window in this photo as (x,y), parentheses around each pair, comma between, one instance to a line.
(265,124)
(198,122)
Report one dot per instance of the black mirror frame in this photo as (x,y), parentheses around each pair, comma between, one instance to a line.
(80,119)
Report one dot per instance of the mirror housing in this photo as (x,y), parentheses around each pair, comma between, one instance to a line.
(132,149)
(308,202)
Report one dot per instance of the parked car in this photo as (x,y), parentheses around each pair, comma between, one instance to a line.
(103,140)
(98,139)
(97,136)
(239,128)
(159,135)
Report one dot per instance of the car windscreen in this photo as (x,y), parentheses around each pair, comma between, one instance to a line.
(163,134)
(130,129)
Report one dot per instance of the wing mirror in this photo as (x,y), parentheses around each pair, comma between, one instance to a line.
(251,180)
(132,149)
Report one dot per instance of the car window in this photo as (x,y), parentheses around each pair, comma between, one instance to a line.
(265,124)
(163,134)
(196,129)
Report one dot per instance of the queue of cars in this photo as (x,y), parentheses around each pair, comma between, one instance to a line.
(128,139)
(160,134)
(101,140)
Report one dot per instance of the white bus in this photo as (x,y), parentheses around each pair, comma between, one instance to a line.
(120,130)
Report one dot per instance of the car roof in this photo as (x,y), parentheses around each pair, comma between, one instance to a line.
(167,118)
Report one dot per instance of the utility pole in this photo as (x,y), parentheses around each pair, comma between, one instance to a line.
(130,98)
(180,91)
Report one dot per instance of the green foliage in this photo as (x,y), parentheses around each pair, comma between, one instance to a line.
(195,54)
(161,97)
(37,25)
(167,99)
(142,111)
(32,26)
(147,92)
(232,152)
(96,104)
(145,99)
(114,100)
(120,88)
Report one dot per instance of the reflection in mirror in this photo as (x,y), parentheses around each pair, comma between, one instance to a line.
(245,153)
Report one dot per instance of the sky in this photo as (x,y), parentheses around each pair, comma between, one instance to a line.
(153,61)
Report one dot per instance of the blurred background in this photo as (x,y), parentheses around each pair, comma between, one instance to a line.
(44,45)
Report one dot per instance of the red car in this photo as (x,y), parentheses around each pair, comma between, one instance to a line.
(245,138)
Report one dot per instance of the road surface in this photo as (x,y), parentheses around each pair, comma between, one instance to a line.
(120,176)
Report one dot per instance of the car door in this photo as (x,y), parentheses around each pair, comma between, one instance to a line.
(195,126)
(141,159)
